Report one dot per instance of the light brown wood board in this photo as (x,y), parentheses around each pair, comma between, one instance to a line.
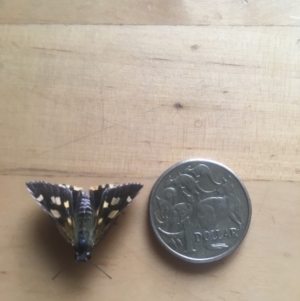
(264,267)
(155,12)
(87,97)
(132,101)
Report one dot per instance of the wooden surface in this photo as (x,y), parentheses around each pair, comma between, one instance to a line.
(120,100)
(264,267)
(112,91)
(145,12)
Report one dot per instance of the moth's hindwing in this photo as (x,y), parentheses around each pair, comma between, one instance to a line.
(109,201)
(58,202)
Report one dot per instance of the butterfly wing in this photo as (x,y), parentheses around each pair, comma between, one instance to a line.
(59,202)
(109,201)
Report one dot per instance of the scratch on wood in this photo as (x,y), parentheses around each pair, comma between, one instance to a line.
(148,142)
(40,172)
(161,161)
(160,59)
(236,292)
(96,132)
(51,49)
(231,65)
(15,45)
(225,64)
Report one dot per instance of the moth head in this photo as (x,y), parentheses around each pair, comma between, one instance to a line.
(82,251)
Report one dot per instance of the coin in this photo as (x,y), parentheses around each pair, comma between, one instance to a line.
(199,210)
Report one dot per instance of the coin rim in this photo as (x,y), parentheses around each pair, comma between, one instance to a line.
(184,257)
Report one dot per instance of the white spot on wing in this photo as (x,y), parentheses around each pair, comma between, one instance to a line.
(115,201)
(69,221)
(77,188)
(53,200)
(40,198)
(61,185)
(129,199)
(55,213)
(111,185)
(66,204)
(113,213)
(100,221)
(105,205)
(94,188)
(58,201)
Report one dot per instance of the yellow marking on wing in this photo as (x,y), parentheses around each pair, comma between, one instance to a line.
(55,213)
(40,198)
(113,213)
(58,201)
(94,188)
(115,201)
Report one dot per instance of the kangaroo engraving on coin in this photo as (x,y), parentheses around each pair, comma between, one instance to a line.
(199,210)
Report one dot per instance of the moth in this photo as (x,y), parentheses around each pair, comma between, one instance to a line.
(83,218)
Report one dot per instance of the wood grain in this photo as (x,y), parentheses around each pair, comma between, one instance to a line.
(109,100)
(32,252)
(120,90)
(155,12)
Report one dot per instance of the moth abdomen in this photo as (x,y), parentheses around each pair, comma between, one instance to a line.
(83,248)
(85,208)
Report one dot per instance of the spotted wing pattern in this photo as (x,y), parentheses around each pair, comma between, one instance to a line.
(59,202)
(109,201)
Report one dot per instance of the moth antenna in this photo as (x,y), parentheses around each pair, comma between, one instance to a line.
(93,264)
(61,270)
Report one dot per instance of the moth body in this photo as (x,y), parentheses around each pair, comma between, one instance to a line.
(83,240)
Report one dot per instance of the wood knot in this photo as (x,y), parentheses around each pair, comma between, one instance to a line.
(178,106)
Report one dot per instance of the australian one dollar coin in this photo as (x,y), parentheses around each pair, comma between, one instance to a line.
(199,210)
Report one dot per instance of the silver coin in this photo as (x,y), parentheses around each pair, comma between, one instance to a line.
(199,210)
